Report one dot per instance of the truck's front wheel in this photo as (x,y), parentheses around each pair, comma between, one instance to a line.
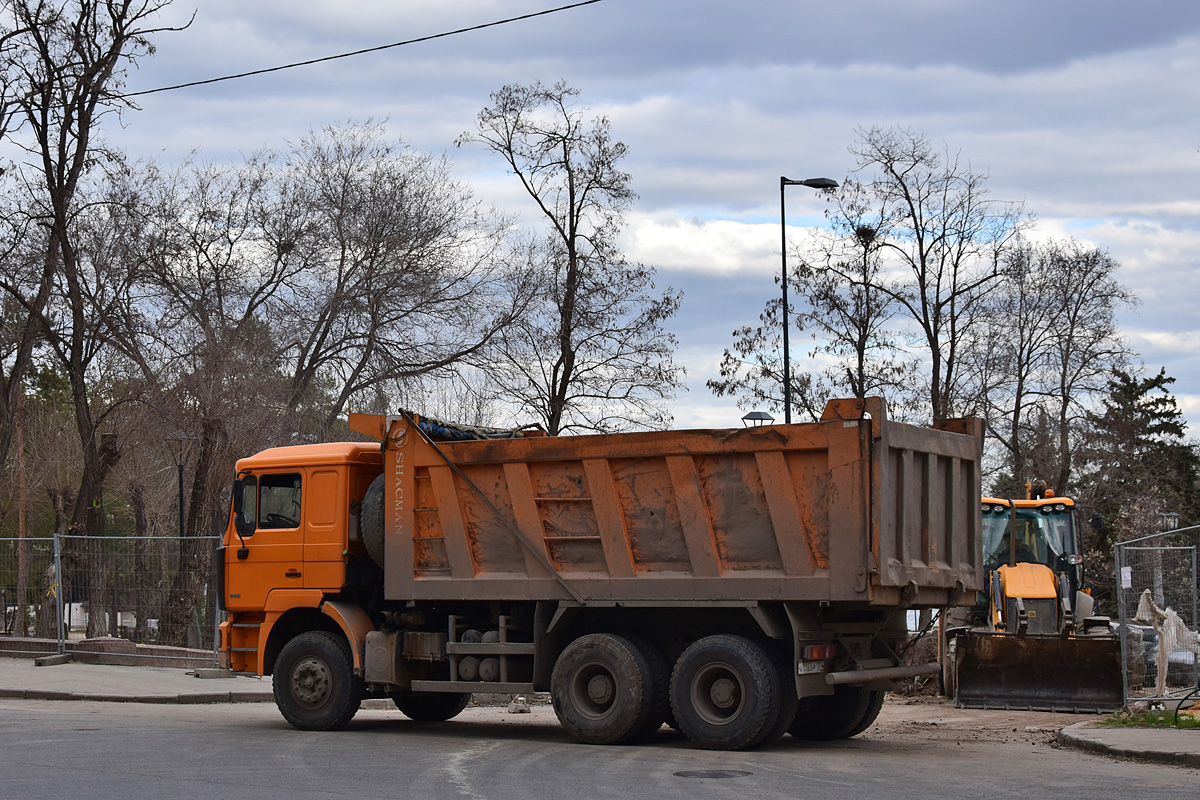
(314,683)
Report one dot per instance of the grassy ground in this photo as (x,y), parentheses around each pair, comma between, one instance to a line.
(1151,719)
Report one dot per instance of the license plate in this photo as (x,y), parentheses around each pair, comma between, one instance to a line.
(809,667)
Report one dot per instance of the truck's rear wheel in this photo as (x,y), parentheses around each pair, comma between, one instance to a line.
(725,693)
(601,687)
(788,703)
(314,683)
(847,712)
(659,694)
(431,707)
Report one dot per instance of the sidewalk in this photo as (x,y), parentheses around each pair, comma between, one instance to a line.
(21,679)
(1160,745)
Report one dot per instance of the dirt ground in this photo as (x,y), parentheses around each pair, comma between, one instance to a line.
(935,718)
(924,718)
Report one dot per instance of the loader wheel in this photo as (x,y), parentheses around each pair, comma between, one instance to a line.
(370,521)
(602,689)
(725,693)
(431,707)
(314,682)
(847,712)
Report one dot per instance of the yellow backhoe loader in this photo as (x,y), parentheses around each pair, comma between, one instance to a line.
(1031,641)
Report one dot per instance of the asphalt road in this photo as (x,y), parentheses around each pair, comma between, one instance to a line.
(94,751)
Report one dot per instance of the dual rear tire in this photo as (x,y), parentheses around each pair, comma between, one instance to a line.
(603,689)
(725,693)
(847,712)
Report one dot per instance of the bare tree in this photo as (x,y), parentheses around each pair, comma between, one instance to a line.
(1088,347)
(945,237)
(1045,350)
(847,314)
(398,272)
(70,67)
(592,353)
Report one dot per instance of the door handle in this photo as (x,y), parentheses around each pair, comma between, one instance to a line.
(292,573)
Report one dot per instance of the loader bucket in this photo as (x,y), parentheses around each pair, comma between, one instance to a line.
(1038,673)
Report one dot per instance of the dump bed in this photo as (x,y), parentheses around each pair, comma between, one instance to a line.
(854,508)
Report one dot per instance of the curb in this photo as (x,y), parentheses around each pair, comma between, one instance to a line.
(1070,737)
(203,698)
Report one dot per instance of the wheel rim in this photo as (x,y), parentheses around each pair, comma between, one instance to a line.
(593,690)
(311,682)
(717,694)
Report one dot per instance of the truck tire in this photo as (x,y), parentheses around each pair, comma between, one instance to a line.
(370,521)
(725,693)
(847,712)
(873,706)
(601,688)
(659,698)
(431,706)
(788,702)
(314,682)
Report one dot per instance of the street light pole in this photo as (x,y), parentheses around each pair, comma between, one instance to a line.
(813,183)
(178,445)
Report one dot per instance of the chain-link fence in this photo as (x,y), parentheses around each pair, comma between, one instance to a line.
(26,574)
(145,599)
(1159,601)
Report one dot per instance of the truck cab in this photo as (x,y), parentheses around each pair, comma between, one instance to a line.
(293,539)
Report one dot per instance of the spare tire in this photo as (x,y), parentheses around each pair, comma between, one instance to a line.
(370,522)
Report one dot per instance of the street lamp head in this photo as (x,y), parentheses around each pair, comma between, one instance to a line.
(757,418)
(177,444)
(812,183)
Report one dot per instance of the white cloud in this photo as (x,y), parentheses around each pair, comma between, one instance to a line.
(722,247)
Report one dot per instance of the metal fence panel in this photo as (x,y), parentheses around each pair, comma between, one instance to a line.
(1154,574)
(155,593)
(27,593)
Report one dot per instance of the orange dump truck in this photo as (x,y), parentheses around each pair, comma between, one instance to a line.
(736,584)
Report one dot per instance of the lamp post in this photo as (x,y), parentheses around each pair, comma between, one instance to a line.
(177,444)
(812,183)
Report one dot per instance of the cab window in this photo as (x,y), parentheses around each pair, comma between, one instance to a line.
(279,501)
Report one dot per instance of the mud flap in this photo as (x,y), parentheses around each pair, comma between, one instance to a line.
(1038,673)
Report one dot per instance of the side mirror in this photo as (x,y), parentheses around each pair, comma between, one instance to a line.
(243,526)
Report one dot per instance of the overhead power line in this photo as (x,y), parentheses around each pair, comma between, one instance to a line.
(361,52)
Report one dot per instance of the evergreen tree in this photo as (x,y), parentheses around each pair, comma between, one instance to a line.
(1137,451)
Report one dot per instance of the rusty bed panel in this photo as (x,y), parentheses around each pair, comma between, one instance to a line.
(846,509)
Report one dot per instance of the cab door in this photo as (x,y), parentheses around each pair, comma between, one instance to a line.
(325,543)
(275,550)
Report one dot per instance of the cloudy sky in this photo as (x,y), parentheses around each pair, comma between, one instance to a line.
(1086,110)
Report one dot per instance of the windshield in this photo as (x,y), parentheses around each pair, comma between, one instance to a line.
(1041,536)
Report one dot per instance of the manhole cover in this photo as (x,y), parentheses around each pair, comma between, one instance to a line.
(713,773)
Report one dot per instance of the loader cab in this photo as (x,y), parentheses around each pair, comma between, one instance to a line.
(1044,534)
